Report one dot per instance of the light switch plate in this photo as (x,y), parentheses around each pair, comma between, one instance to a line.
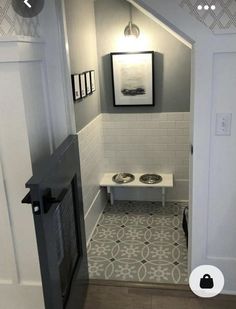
(223,124)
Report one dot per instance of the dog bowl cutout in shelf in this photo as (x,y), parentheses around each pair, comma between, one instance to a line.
(150,179)
(123,178)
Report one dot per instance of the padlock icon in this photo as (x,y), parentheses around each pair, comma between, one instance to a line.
(206,282)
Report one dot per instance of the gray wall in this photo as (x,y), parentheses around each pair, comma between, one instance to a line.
(172,58)
(83,54)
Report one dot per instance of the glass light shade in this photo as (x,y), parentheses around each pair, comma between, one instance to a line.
(132,30)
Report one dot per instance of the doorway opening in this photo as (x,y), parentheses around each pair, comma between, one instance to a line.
(136,239)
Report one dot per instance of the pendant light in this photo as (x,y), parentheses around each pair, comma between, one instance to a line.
(131,30)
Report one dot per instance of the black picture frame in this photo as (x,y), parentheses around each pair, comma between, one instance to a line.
(82,83)
(76,87)
(133,88)
(88,83)
(93,80)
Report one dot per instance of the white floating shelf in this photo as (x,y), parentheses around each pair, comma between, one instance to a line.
(167,182)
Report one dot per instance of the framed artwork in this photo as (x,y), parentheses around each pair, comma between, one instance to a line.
(93,82)
(133,78)
(82,85)
(88,83)
(76,87)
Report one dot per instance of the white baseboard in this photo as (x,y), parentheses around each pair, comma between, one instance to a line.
(94,213)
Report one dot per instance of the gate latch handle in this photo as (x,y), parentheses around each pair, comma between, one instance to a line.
(35,205)
(27,199)
(49,200)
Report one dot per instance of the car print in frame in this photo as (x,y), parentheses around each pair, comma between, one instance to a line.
(133,78)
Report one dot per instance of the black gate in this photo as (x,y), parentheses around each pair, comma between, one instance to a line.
(56,198)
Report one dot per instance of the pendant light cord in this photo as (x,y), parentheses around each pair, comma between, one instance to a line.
(130,13)
(131,18)
(131,29)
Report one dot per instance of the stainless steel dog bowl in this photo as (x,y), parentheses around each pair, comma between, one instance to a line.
(123,178)
(150,179)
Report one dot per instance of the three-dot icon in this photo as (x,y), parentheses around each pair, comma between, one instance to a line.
(206,7)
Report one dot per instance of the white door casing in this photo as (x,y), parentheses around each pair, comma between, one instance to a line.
(57,67)
(212,199)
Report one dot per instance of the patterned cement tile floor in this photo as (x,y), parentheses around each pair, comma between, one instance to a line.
(140,242)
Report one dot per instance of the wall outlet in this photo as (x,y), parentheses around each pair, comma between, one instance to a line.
(223,124)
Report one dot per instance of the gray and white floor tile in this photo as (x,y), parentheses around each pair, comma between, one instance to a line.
(140,242)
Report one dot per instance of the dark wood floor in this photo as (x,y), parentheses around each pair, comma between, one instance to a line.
(115,295)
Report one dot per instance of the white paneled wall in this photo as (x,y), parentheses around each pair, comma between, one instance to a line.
(21,81)
(91,158)
(153,143)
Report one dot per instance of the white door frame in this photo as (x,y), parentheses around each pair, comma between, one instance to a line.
(53,27)
(206,45)
(65,56)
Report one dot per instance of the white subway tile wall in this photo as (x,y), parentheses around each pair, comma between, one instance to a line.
(92,158)
(147,143)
